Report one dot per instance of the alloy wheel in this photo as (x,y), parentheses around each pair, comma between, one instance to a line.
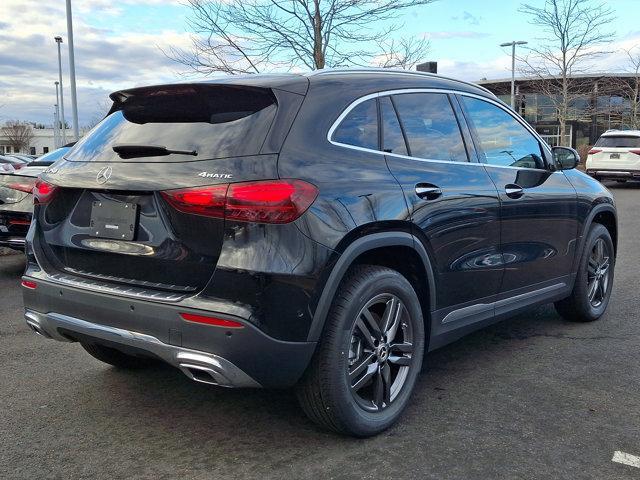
(380,353)
(598,273)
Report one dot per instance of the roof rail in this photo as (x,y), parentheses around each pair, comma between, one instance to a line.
(392,71)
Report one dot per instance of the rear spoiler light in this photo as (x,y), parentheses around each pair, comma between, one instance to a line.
(267,201)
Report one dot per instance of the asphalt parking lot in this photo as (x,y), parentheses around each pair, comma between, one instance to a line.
(531,397)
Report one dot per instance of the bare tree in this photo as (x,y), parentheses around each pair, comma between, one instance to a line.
(19,134)
(575,33)
(250,36)
(628,87)
(102,107)
(404,53)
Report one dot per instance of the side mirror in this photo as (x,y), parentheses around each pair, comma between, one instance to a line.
(566,158)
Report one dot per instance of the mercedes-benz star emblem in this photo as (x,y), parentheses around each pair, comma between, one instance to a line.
(104,175)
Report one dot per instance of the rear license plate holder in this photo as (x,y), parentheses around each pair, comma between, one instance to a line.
(614,156)
(114,220)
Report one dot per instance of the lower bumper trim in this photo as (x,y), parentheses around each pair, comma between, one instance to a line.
(199,366)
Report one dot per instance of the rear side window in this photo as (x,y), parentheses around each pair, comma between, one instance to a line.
(430,126)
(618,141)
(392,138)
(216,121)
(360,127)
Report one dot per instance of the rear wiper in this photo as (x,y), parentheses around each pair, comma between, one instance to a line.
(136,151)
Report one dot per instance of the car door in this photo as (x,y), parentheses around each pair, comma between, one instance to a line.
(539,224)
(453,203)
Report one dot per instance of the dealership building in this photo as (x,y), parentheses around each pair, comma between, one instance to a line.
(599,103)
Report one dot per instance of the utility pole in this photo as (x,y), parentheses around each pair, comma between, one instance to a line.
(58,40)
(72,73)
(513,68)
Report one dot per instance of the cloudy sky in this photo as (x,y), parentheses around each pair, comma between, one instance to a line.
(119,45)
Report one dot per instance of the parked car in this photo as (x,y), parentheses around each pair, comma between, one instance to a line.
(15,162)
(26,159)
(16,199)
(321,231)
(615,156)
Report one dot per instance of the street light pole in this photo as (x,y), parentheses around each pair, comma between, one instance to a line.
(58,40)
(513,68)
(72,73)
(56,135)
(56,132)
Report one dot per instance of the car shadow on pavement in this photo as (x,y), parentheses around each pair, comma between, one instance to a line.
(232,415)
(631,185)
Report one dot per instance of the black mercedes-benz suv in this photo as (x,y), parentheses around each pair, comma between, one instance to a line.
(322,231)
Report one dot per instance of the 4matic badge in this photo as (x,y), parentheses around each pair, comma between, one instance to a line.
(225,176)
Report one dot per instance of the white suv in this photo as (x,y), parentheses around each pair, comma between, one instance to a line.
(615,156)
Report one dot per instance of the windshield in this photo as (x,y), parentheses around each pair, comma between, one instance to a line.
(618,141)
(213,121)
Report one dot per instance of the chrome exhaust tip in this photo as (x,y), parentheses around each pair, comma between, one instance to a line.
(34,325)
(201,374)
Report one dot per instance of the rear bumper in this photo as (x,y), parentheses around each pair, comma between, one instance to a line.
(15,243)
(614,174)
(244,357)
(199,366)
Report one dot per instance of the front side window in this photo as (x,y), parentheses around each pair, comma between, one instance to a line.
(430,126)
(503,140)
(360,127)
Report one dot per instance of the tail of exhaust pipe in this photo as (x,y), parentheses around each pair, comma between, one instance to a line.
(37,329)
(199,373)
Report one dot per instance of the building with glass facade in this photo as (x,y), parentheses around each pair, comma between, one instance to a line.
(597,103)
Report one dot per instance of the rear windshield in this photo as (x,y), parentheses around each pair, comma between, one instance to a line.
(618,141)
(215,121)
(48,158)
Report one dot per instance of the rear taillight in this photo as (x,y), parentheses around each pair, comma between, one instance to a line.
(25,185)
(637,152)
(267,201)
(593,151)
(43,192)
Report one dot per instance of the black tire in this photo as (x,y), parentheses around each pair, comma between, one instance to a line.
(326,393)
(115,357)
(579,306)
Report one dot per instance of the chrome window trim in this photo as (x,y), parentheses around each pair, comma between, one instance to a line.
(386,93)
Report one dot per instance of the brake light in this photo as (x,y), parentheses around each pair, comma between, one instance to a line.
(267,201)
(23,185)
(216,322)
(43,192)
(593,151)
(637,152)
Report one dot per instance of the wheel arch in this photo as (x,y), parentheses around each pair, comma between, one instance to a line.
(377,249)
(604,214)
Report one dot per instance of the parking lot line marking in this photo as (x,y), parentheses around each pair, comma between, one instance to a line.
(626,459)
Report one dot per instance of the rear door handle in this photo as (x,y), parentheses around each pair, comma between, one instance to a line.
(428,191)
(513,190)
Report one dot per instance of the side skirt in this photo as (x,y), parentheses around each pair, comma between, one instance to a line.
(450,324)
